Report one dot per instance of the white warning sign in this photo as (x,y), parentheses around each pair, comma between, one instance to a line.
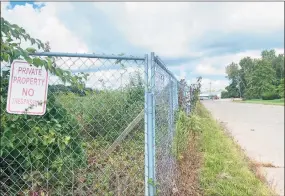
(28,87)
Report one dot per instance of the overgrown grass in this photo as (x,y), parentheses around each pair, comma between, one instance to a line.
(266,102)
(185,128)
(225,169)
(186,152)
(102,117)
(104,114)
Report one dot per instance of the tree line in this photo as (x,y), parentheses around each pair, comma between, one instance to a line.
(256,78)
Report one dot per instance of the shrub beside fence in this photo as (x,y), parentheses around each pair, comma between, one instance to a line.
(113,136)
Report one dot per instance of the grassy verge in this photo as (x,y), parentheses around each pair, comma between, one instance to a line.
(223,167)
(266,102)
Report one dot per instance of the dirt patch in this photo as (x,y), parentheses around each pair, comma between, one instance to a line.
(188,171)
(259,164)
(257,171)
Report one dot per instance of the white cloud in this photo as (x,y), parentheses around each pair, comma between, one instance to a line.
(208,69)
(216,65)
(44,25)
(261,17)
(169,28)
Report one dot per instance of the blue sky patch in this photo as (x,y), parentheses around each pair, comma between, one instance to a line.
(23,3)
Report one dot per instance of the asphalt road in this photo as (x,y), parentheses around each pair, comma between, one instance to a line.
(259,130)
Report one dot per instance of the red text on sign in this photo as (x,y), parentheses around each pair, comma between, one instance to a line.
(30,71)
(27,92)
(31,81)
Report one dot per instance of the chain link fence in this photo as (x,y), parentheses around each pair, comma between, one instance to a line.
(166,103)
(111,136)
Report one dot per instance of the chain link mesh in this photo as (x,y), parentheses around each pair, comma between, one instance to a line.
(91,140)
(169,95)
(165,103)
(70,149)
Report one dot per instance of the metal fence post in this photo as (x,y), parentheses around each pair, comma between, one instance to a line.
(153,118)
(146,125)
(151,131)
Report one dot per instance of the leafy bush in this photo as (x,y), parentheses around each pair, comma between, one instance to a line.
(270,96)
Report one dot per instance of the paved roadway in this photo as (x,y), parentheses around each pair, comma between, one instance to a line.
(259,129)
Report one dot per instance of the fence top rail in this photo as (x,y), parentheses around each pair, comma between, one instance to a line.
(83,55)
(162,65)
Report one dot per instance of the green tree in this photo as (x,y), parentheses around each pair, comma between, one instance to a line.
(225,94)
(281,88)
(269,55)
(256,76)
(247,67)
(278,66)
(233,90)
(261,80)
(233,72)
(277,63)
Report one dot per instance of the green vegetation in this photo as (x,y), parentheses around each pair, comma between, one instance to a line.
(103,115)
(106,113)
(195,90)
(180,141)
(225,170)
(183,126)
(35,149)
(266,102)
(217,164)
(261,78)
(62,152)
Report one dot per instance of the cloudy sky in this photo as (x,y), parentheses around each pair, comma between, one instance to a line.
(193,38)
